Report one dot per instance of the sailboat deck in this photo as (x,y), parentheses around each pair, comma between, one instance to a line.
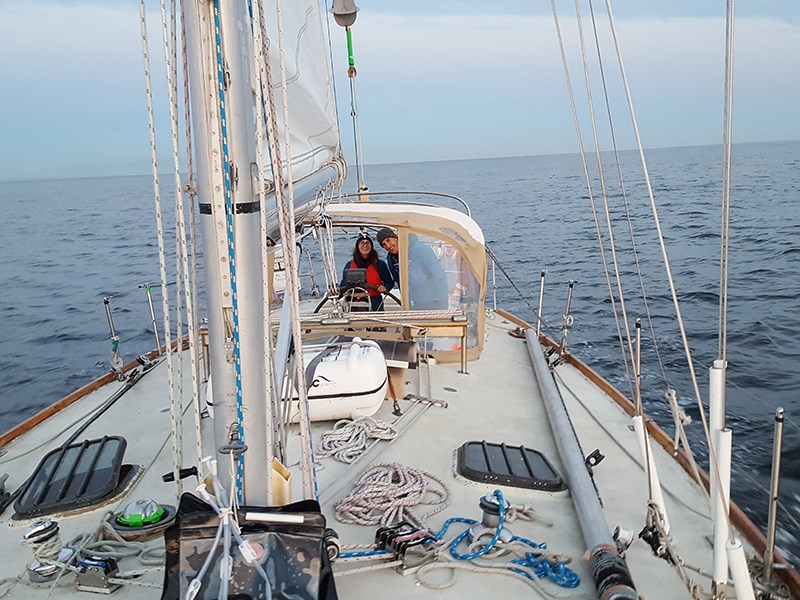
(465,407)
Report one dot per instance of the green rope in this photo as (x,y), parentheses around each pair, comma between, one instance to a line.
(351,63)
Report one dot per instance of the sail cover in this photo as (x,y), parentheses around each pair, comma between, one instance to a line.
(313,126)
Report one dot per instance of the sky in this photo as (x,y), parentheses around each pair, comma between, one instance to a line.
(443,80)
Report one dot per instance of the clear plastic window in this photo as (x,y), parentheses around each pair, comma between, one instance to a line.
(439,279)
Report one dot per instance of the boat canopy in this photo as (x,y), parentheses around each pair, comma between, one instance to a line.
(456,241)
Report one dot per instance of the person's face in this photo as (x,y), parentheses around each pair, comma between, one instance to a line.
(390,245)
(364,247)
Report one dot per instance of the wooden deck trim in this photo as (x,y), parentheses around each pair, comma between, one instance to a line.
(740,520)
(48,412)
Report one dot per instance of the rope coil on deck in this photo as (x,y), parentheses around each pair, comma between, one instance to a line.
(348,438)
(386,494)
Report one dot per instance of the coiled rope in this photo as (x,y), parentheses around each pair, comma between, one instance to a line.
(387,493)
(348,438)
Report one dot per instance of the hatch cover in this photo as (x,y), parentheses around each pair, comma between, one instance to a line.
(515,466)
(75,476)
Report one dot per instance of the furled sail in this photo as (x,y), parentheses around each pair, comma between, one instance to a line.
(313,128)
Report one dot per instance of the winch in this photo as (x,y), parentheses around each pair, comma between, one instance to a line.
(43,538)
(490,505)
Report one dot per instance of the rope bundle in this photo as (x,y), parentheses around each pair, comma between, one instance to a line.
(386,494)
(348,439)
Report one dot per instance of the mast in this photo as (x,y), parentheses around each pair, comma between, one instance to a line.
(222,122)
(224,89)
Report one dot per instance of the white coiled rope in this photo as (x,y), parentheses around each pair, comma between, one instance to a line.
(348,438)
(386,494)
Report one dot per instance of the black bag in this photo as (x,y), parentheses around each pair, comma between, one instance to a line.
(293,554)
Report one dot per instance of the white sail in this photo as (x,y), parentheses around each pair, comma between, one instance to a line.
(313,127)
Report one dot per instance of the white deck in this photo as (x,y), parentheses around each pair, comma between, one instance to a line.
(498,401)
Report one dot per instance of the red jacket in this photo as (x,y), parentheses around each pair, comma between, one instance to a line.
(373,278)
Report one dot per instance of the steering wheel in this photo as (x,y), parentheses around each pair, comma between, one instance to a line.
(364,288)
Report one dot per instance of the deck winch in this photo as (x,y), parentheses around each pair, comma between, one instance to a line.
(490,505)
(43,538)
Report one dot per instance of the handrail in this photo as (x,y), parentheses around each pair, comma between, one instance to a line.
(410,193)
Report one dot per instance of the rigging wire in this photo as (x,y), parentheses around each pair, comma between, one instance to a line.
(287,225)
(604,192)
(283,373)
(628,217)
(590,193)
(189,187)
(634,354)
(351,75)
(665,257)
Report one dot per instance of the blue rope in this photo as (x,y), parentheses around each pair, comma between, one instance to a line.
(360,553)
(487,548)
(449,522)
(558,573)
(231,253)
(533,561)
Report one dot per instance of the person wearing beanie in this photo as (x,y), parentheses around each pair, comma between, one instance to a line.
(379,277)
(385,233)
(387,239)
(427,281)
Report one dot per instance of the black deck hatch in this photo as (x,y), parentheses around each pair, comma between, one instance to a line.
(75,476)
(515,466)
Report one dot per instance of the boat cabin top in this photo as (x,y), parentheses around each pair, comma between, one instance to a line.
(442,266)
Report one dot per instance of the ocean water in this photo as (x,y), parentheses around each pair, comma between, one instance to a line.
(68,244)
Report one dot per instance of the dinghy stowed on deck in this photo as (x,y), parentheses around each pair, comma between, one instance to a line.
(345,380)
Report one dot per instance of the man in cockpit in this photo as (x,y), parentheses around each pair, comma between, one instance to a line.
(427,281)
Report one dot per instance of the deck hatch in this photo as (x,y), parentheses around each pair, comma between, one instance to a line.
(515,466)
(78,475)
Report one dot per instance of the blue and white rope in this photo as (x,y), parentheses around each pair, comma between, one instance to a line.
(229,209)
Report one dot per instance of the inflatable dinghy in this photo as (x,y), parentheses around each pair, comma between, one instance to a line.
(345,380)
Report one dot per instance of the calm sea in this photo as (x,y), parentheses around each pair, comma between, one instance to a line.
(68,244)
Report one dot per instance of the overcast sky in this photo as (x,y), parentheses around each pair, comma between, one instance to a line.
(444,80)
